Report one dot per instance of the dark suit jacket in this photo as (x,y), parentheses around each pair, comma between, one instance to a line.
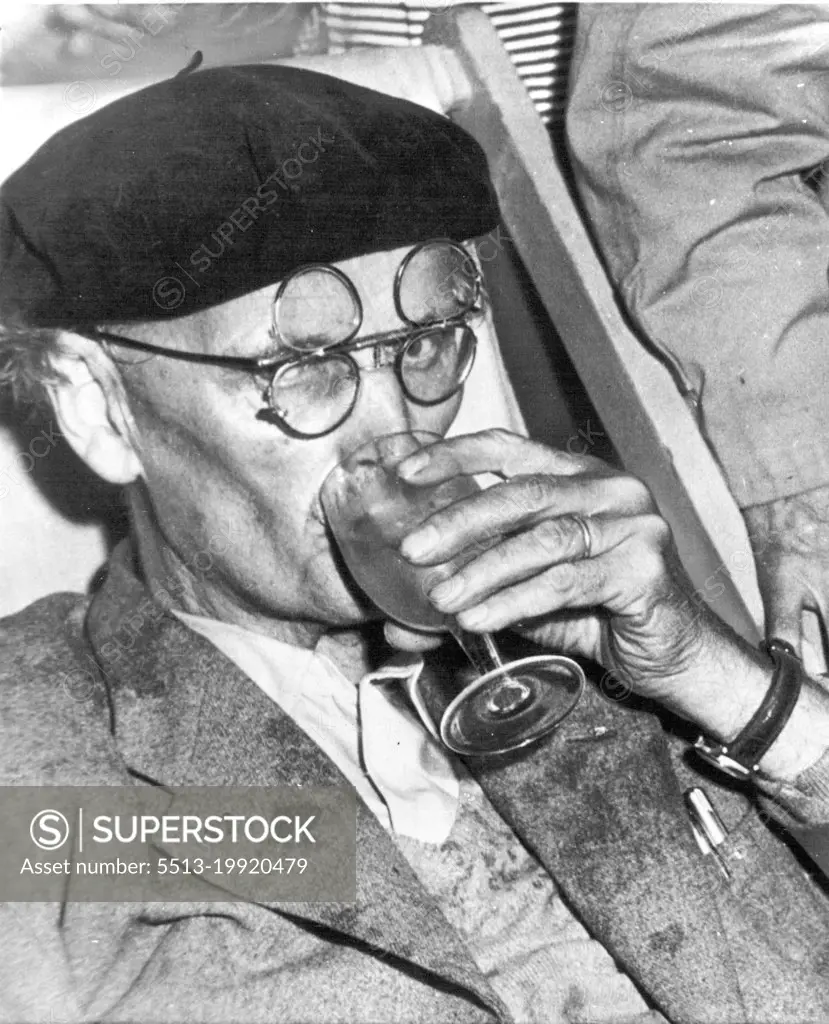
(119,689)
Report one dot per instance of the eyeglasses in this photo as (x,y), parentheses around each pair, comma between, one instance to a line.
(317,314)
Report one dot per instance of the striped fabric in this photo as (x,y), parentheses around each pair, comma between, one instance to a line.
(538,37)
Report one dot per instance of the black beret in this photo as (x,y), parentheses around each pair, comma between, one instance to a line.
(219,182)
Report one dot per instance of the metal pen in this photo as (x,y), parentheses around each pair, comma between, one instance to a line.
(708,827)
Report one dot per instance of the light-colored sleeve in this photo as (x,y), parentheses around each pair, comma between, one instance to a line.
(802,807)
(691,130)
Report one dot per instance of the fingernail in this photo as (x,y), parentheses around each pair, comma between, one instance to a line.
(474,617)
(412,465)
(447,592)
(420,543)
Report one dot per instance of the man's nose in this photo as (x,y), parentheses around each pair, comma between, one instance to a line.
(381,406)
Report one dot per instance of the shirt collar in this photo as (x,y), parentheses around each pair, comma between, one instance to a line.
(368,729)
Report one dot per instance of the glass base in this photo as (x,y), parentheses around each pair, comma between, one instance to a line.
(512,706)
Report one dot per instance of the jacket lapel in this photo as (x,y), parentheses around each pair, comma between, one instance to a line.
(599,805)
(184,715)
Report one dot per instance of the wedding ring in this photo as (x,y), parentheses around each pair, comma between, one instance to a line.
(586,536)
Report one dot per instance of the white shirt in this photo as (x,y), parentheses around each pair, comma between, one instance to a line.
(401,772)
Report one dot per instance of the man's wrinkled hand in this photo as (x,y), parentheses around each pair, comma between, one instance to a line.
(790,540)
(625,605)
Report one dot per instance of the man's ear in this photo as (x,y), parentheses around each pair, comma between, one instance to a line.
(92,411)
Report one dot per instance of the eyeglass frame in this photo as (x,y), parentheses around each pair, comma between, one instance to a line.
(399,339)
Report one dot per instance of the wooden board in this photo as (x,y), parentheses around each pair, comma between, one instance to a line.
(650,426)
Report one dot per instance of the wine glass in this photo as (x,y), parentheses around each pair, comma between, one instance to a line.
(370,509)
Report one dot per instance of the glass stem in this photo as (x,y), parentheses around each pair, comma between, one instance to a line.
(479,648)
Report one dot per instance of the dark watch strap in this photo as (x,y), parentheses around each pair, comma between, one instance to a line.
(741,757)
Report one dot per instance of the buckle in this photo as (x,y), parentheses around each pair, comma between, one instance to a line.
(717,756)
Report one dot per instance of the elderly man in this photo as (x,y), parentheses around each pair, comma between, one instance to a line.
(213,281)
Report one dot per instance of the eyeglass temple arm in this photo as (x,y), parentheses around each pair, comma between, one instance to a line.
(237,362)
(252,364)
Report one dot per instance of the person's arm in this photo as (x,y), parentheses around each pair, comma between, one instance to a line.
(693,129)
(794,773)
(790,541)
(794,777)
(622,600)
